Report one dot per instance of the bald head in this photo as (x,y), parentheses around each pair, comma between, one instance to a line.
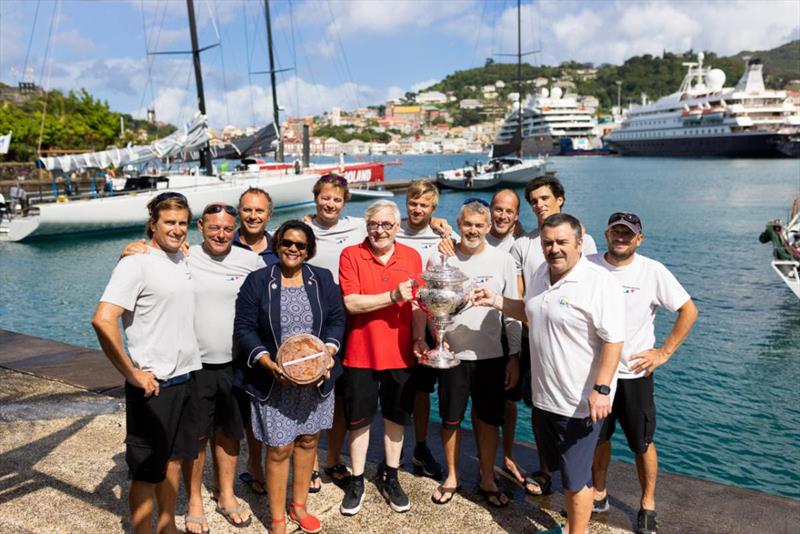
(505,212)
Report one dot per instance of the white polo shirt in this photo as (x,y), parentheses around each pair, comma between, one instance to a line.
(332,241)
(157,292)
(646,285)
(569,321)
(528,255)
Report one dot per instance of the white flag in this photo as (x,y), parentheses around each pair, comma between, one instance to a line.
(5,142)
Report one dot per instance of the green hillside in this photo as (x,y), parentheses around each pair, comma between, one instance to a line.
(73,121)
(651,75)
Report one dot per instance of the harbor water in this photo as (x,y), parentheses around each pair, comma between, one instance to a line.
(727,400)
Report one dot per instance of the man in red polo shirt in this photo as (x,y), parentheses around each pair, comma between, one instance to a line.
(383,324)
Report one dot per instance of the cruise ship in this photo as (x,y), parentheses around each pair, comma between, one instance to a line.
(553,123)
(704,118)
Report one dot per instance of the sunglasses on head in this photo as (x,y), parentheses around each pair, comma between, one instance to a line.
(334,179)
(476,199)
(288,243)
(216,208)
(624,216)
(169,195)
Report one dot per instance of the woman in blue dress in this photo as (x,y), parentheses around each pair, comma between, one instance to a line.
(290,297)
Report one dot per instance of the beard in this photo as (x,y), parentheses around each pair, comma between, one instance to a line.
(621,256)
(472,244)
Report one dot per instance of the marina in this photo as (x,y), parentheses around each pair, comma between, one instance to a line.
(702,218)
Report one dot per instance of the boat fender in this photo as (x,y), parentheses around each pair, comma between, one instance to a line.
(62,199)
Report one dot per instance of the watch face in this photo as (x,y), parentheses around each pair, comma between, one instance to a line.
(603,390)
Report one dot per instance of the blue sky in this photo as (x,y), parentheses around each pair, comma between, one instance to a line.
(345,53)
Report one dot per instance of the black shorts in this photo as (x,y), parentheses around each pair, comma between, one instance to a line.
(635,408)
(243,400)
(365,387)
(217,408)
(567,444)
(160,428)
(484,381)
(425,377)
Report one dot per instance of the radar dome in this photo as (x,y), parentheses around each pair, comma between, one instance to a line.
(715,79)
(543,92)
(556,92)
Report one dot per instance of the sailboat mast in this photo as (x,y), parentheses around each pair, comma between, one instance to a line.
(275,117)
(205,156)
(519,75)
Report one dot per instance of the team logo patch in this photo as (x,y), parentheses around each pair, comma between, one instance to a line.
(629,290)
(341,240)
(427,246)
(233,277)
(563,302)
(483,279)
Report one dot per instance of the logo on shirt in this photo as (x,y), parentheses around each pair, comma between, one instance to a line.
(483,279)
(563,302)
(233,277)
(341,240)
(630,290)
(427,246)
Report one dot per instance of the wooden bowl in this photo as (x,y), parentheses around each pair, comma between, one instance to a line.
(303,358)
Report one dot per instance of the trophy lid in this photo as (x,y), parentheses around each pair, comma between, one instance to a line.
(439,270)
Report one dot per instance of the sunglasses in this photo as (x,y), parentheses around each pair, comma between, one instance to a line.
(385,226)
(169,195)
(333,179)
(288,243)
(624,216)
(216,208)
(476,199)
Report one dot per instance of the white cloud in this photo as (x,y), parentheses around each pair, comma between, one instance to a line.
(73,40)
(419,86)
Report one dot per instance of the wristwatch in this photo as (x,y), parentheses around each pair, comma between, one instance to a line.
(602,390)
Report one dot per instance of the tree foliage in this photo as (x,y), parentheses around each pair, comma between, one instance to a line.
(347,133)
(75,121)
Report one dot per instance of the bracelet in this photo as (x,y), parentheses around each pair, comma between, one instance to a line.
(391,297)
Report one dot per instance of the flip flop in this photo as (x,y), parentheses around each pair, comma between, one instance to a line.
(228,512)
(196,520)
(541,480)
(508,473)
(255,485)
(494,494)
(315,476)
(447,494)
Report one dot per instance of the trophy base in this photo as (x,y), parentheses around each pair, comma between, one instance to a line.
(439,359)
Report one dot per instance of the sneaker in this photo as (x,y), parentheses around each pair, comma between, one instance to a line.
(557,530)
(646,522)
(353,497)
(424,461)
(600,505)
(390,488)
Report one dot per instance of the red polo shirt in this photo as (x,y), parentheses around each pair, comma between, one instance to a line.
(380,339)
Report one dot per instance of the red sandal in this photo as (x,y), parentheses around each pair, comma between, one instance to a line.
(309,524)
(277,521)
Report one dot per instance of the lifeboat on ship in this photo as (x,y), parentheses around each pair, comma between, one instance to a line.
(691,115)
(714,113)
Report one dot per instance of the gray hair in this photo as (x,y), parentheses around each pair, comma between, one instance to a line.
(557,219)
(380,205)
(475,207)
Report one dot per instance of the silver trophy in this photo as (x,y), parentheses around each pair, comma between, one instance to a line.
(446,293)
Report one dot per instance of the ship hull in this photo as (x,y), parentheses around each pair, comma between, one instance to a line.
(754,145)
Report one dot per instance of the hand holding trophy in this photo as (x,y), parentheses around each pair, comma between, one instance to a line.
(446,293)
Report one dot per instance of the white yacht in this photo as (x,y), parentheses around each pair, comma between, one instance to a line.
(553,123)
(704,118)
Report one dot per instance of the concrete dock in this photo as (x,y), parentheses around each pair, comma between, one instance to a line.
(62,469)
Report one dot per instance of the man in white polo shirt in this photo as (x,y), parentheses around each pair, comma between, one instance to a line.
(153,294)
(647,285)
(576,316)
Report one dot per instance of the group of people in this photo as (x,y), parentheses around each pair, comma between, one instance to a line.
(551,319)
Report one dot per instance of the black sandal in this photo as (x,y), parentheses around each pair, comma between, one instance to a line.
(315,476)
(540,479)
(646,522)
(494,494)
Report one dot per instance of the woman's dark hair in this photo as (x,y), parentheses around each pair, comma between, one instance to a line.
(294,224)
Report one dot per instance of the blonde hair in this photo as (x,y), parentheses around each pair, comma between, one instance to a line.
(165,202)
(417,188)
